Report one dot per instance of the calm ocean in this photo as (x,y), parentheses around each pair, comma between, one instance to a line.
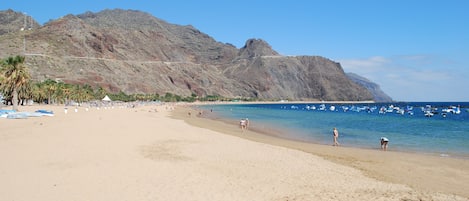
(434,128)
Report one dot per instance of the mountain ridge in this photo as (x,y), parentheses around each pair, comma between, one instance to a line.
(134,52)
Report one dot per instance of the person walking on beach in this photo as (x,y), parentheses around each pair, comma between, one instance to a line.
(335,134)
(384,143)
(242,124)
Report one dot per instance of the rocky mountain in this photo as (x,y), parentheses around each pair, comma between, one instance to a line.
(12,22)
(375,89)
(134,52)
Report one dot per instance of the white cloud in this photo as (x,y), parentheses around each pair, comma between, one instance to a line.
(412,77)
(364,65)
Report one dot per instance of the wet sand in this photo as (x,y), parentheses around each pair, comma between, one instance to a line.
(428,173)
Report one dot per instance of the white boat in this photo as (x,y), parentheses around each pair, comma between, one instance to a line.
(390,108)
(429,109)
(400,111)
(310,107)
(452,110)
(428,114)
(382,110)
(322,107)
(345,108)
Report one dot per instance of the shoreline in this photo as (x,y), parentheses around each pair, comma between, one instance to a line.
(284,134)
(278,132)
(281,134)
(425,172)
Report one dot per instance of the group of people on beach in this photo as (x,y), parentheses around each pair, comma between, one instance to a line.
(244,124)
(335,133)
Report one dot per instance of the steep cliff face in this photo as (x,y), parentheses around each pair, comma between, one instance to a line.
(266,74)
(134,52)
(375,89)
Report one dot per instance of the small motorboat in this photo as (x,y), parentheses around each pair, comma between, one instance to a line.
(428,114)
(45,112)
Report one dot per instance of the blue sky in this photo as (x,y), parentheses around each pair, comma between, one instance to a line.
(415,50)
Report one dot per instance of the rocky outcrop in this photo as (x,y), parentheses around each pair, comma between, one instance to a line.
(266,74)
(134,52)
(12,22)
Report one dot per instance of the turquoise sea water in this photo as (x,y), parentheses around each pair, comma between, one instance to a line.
(434,128)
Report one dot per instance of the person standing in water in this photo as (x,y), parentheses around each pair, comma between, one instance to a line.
(335,134)
(384,143)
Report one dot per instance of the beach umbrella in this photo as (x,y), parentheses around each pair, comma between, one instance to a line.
(106,98)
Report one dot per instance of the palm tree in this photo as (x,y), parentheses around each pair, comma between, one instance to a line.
(25,93)
(15,76)
(62,93)
(100,93)
(39,93)
(87,92)
(50,87)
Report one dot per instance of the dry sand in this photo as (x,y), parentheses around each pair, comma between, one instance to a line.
(141,154)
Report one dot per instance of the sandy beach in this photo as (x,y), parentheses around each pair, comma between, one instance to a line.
(157,153)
